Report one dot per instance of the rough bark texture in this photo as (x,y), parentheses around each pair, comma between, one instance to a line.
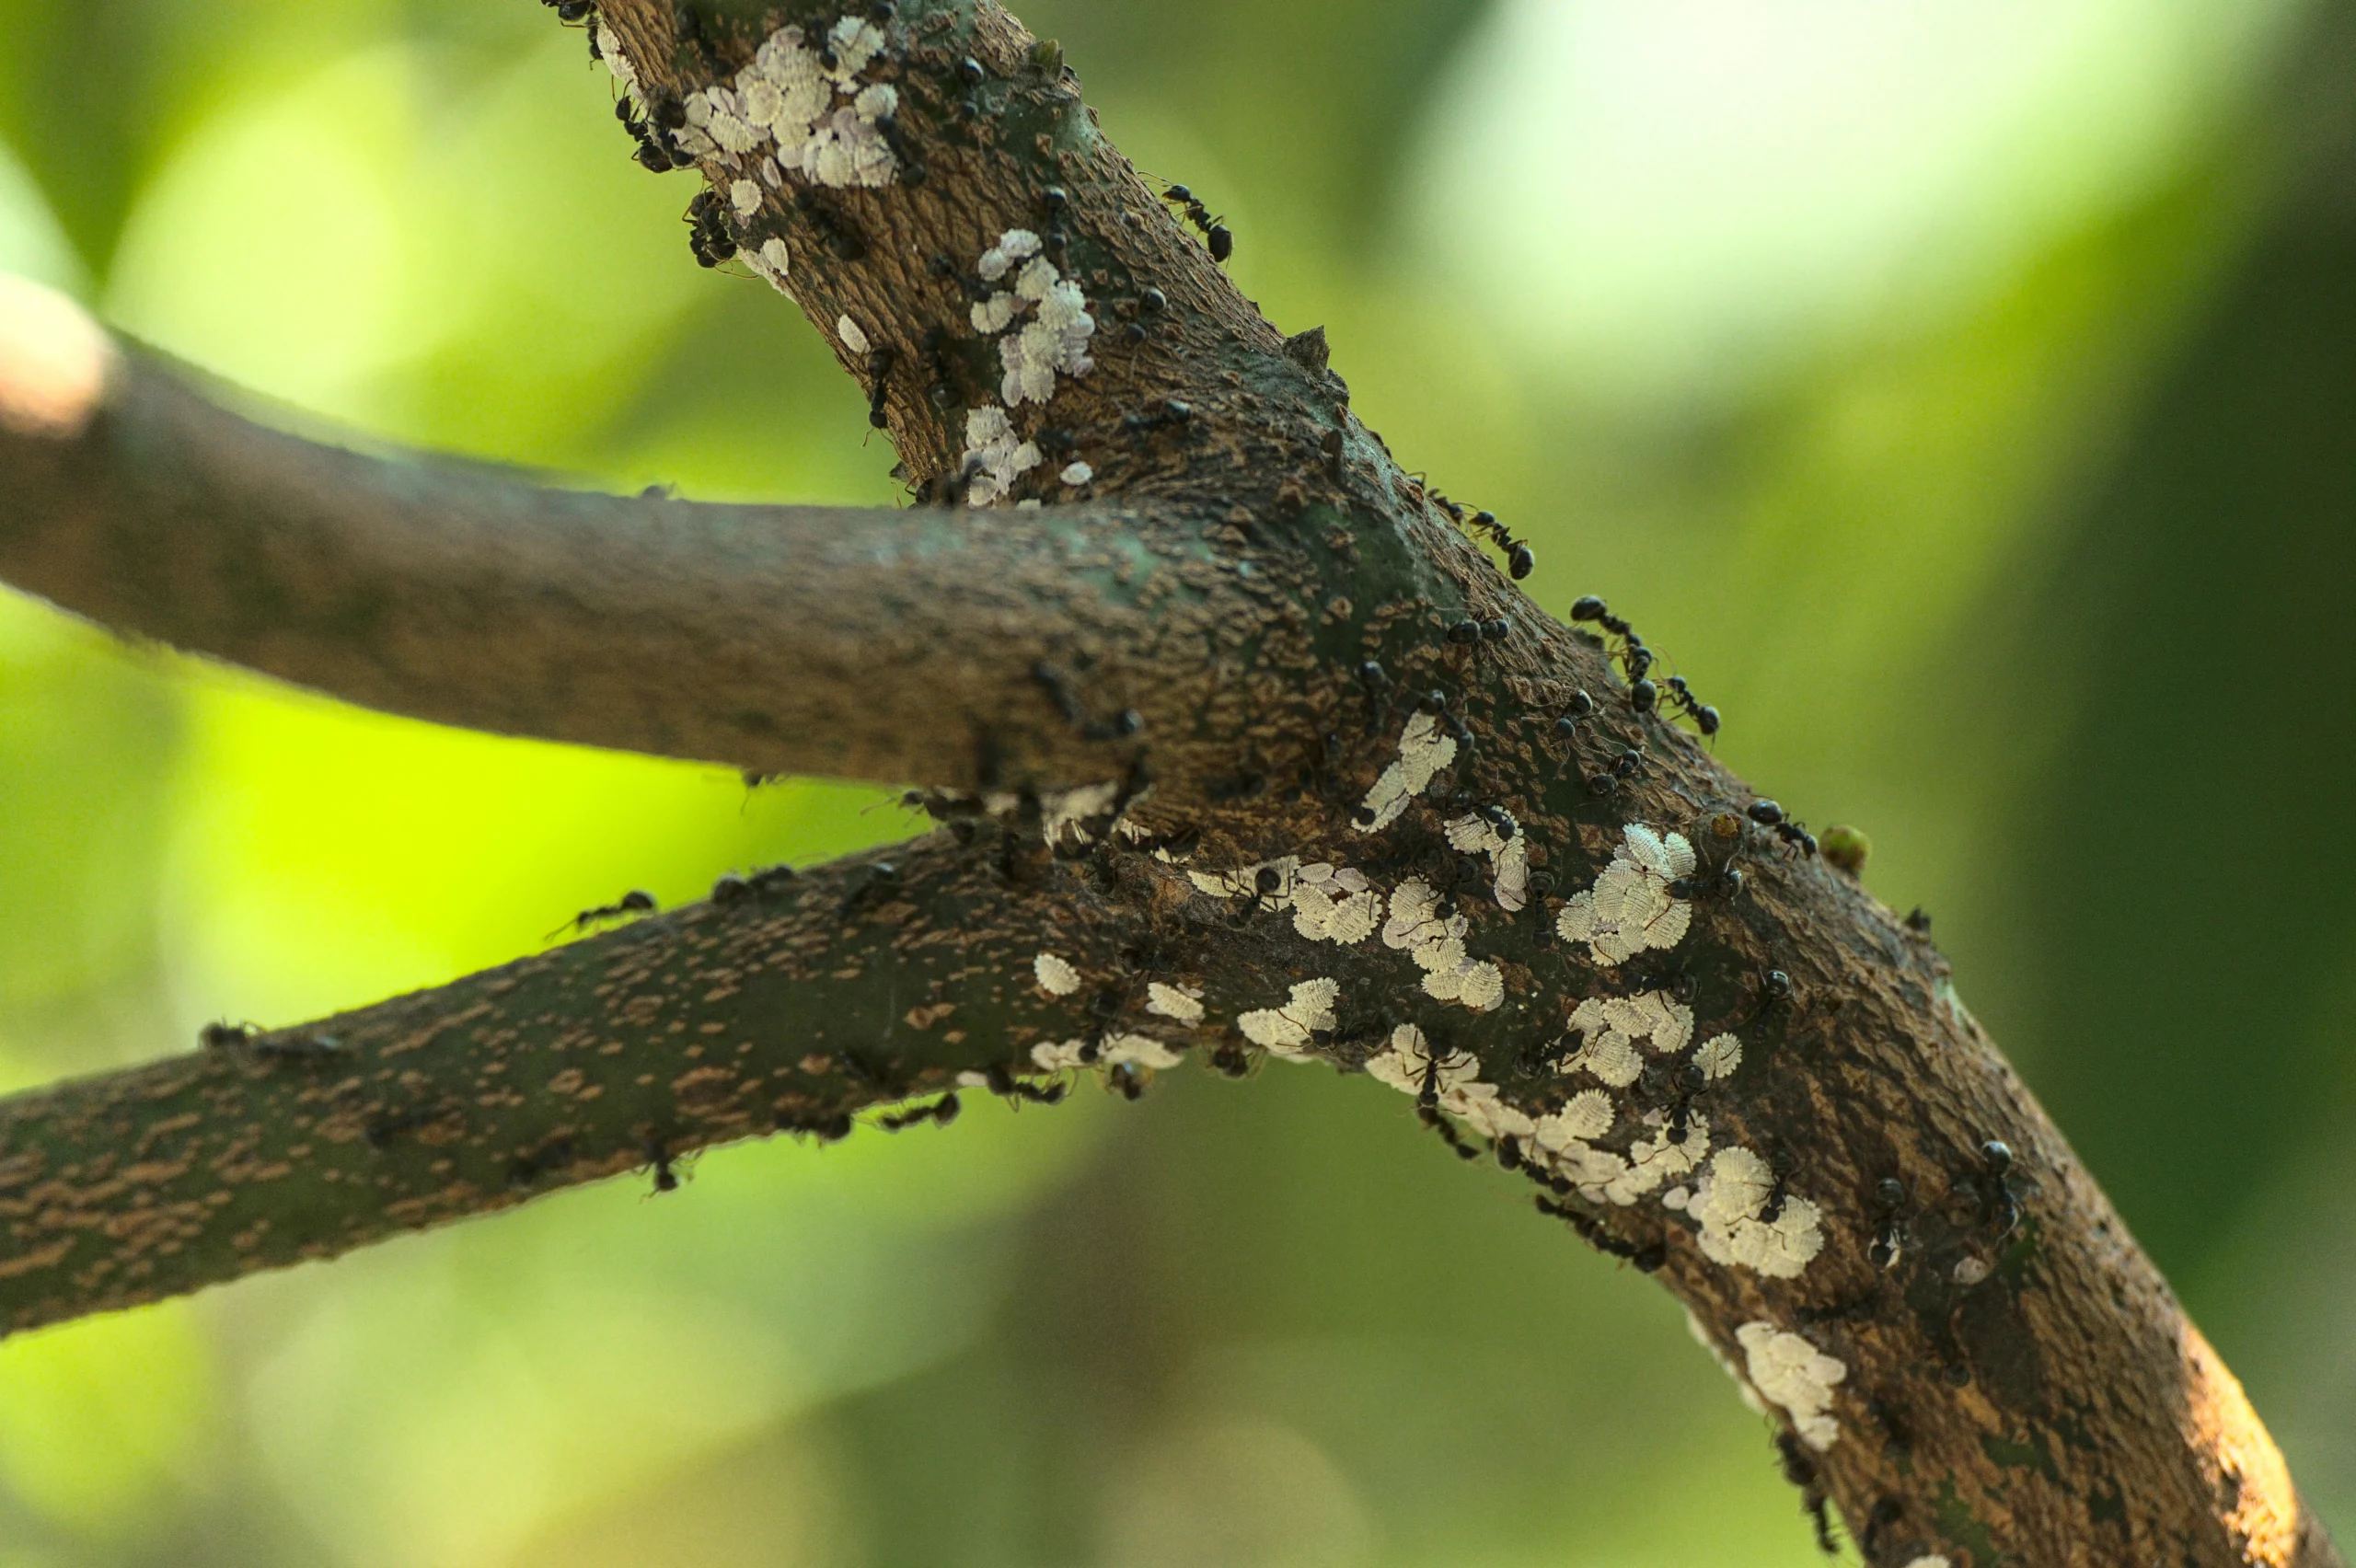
(1285,610)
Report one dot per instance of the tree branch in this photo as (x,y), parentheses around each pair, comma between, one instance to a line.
(1435,837)
(786,1007)
(977,649)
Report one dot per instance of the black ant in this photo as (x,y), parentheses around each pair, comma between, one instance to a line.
(1214,230)
(1265,883)
(1231,1060)
(1771,991)
(637,901)
(1783,1162)
(1998,1207)
(840,241)
(1003,1083)
(707,234)
(1705,718)
(943,1111)
(1724,883)
(1800,1470)
(226,1036)
(879,369)
(1520,560)
(1897,1442)
(569,10)
(877,883)
(528,1168)
(912,170)
(1919,921)
(1646,1260)
(1890,1242)
(657,153)
(658,1155)
(1886,1513)
(1173,411)
(1431,1116)
(1635,659)
(1767,813)
(1129,1080)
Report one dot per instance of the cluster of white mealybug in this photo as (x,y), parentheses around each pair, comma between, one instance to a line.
(1113,1051)
(1051,340)
(801,111)
(1742,1212)
(996,454)
(1746,1219)
(1787,1371)
(1424,749)
(795,113)
(1329,903)
(1287,1032)
(1054,339)
(1630,907)
(1498,837)
(1435,941)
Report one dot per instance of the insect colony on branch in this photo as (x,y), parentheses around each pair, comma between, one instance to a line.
(804,122)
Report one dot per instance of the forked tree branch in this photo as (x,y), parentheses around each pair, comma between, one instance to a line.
(1381,812)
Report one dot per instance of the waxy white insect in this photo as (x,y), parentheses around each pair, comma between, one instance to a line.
(1423,750)
(1178,1002)
(1789,1371)
(1730,1199)
(1630,908)
(1508,852)
(1056,974)
(1286,1031)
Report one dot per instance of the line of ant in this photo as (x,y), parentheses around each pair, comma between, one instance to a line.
(1636,663)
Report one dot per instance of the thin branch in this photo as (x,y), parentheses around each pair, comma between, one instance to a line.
(988,649)
(792,1003)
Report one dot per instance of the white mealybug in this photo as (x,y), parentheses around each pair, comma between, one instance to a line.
(1423,750)
(1500,836)
(1436,945)
(1062,1056)
(1789,1371)
(1334,904)
(1136,1050)
(1719,1056)
(1749,1221)
(1613,1027)
(1181,1003)
(1588,1115)
(1630,907)
(1067,812)
(1931,1560)
(853,336)
(1076,474)
(1056,974)
(1406,1064)
(609,50)
(997,456)
(1287,1030)
(746,197)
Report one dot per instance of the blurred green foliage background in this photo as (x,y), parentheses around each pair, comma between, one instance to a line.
(1963,391)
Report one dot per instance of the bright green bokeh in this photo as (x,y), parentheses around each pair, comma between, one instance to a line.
(1819,337)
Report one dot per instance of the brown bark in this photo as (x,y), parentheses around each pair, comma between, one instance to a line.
(2016,1384)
